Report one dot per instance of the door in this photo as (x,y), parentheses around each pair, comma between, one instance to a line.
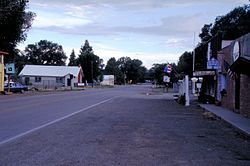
(68,82)
(237,92)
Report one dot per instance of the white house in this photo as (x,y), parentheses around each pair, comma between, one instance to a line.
(41,76)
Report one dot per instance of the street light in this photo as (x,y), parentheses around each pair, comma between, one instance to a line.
(199,83)
(194,80)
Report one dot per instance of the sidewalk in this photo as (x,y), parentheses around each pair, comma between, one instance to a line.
(236,120)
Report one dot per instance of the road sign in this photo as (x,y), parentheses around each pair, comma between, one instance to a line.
(10,68)
(166,79)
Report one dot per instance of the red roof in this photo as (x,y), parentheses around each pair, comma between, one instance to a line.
(3,53)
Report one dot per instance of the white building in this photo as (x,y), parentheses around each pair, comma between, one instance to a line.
(108,80)
(41,76)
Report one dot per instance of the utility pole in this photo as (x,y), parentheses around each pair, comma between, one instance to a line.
(92,73)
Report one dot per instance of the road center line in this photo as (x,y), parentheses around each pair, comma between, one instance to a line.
(54,121)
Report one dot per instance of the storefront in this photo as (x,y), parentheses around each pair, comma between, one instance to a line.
(235,64)
(206,85)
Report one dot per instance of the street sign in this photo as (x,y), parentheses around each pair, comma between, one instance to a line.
(10,68)
(166,79)
(213,64)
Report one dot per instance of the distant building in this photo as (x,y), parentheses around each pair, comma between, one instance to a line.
(108,80)
(41,76)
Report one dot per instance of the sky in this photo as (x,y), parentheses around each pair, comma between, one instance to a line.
(153,31)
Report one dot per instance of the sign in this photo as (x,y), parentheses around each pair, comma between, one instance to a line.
(213,64)
(10,68)
(236,51)
(203,73)
(166,79)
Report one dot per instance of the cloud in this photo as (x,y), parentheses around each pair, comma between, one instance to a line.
(134,5)
(106,17)
(163,29)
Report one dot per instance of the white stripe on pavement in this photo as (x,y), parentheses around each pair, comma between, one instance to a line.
(54,121)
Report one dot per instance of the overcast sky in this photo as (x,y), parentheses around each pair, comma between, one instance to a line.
(154,31)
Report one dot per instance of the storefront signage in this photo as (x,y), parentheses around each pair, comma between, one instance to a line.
(236,51)
(203,73)
(213,64)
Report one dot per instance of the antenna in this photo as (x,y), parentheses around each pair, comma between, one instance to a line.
(194,53)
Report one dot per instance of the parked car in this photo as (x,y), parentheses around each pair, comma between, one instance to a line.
(15,87)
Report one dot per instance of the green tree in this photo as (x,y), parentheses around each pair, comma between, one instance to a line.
(232,25)
(185,63)
(205,34)
(90,63)
(158,72)
(135,71)
(111,67)
(45,53)
(123,68)
(72,59)
(20,61)
(15,21)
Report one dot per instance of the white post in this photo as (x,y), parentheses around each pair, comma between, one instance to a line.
(187,103)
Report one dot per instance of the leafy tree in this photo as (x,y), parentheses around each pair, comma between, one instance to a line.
(232,25)
(185,63)
(111,67)
(45,53)
(125,69)
(135,71)
(90,63)
(205,34)
(20,60)
(158,72)
(72,59)
(15,21)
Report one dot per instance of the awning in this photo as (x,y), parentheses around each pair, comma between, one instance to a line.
(204,73)
(241,65)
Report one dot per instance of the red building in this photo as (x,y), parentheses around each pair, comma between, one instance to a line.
(234,76)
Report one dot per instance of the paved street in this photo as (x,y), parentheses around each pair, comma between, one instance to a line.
(131,125)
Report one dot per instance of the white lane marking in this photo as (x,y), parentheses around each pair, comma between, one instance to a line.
(54,121)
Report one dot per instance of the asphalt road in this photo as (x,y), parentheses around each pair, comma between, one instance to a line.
(131,125)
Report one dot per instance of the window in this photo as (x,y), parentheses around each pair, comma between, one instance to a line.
(59,80)
(38,79)
(27,81)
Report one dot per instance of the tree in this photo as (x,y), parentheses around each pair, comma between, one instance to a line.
(86,48)
(20,61)
(232,25)
(90,63)
(45,53)
(125,69)
(111,67)
(205,34)
(14,23)
(72,59)
(135,71)
(185,63)
(158,72)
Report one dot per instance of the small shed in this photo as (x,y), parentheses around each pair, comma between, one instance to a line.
(42,76)
(108,80)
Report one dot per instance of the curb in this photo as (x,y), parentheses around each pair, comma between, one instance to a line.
(239,129)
